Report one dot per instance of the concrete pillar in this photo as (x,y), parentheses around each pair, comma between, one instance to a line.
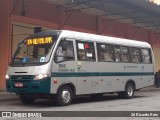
(61,17)
(5,39)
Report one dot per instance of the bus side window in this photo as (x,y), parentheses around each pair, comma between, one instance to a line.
(125,54)
(146,55)
(117,53)
(136,55)
(111,53)
(85,51)
(101,49)
(105,52)
(66,54)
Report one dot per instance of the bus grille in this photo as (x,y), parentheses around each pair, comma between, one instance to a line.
(22,78)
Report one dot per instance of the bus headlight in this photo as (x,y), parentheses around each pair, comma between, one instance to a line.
(40,76)
(7,77)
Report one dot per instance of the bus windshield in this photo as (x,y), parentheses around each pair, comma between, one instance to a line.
(34,51)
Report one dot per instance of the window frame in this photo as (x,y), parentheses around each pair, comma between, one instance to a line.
(56,56)
(119,54)
(93,51)
(131,54)
(107,50)
(150,56)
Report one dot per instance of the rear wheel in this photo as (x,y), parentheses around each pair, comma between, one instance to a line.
(26,99)
(129,91)
(64,96)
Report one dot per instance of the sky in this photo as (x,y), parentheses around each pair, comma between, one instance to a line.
(155,1)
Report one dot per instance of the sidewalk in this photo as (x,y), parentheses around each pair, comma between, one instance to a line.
(6,97)
(150,89)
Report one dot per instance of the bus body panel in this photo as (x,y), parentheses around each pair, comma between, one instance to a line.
(101,77)
(59,73)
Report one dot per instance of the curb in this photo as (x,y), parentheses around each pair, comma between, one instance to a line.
(150,89)
(9,99)
(6,97)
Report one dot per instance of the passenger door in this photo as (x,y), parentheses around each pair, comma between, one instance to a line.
(64,65)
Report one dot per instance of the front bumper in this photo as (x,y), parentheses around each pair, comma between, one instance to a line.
(29,85)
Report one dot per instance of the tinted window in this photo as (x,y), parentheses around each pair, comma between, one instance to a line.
(125,54)
(117,52)
(85,51)
(65,52)
(146,55)
(105,52)
(136,55)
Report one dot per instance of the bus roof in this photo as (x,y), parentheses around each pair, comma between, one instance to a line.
(105,39)
(93,37)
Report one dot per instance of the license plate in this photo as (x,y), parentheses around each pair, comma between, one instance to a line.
(18,84)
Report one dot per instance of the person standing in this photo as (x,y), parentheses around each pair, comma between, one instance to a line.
(60,54)
(157,78)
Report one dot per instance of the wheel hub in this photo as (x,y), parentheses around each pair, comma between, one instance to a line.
(66,96)
(130,91)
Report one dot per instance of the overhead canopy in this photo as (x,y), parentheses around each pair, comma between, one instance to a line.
(136,12)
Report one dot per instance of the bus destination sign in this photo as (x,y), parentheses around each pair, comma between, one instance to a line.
(37,41)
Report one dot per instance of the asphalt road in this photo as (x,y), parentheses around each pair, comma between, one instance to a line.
(144,100)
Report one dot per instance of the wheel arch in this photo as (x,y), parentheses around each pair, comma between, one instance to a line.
(70,84)
(131,81)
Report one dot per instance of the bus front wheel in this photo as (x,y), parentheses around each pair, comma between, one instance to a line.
(64,96)
(128,93)
(26,99)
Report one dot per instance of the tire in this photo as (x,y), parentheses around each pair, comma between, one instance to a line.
(64,96)
(26,99)
(129,91)
(121,95)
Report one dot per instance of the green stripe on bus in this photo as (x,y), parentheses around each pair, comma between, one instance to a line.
(85,74)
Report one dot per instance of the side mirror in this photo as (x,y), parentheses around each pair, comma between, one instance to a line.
(18,44)
(64,44)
